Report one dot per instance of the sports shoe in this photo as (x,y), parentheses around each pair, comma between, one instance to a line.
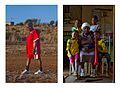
(93,73)
(82,73)
(25,72)
(38,72)
(75,74)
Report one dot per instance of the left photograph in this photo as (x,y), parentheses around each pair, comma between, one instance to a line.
(31,43)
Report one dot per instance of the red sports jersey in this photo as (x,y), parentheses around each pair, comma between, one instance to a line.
(33,36)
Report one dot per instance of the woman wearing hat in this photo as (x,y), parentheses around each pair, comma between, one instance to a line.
(86,47)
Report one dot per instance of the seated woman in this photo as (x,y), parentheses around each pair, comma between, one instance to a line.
(86,48)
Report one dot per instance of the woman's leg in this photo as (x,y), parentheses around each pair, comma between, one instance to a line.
(81,60)
(99,69)
(76,63)
(81,64)
(71,68)
(40,71)
(26,71)
(108,60)
(40,64)
(76,66)
(28,64)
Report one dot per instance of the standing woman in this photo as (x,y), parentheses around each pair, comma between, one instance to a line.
(73,52)
(33,49)
(95,26)
(77,25)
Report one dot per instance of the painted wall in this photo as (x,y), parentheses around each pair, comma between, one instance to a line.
(105,13)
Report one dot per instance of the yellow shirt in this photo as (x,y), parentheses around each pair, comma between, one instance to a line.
(72,45)
(103,47)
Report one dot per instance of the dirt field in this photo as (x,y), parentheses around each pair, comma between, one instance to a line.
(16,64)
(16,59)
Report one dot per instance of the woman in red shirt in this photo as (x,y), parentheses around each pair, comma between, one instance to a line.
(32,48)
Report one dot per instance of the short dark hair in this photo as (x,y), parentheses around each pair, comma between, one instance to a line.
(30,24)
(95,17)
(98,32)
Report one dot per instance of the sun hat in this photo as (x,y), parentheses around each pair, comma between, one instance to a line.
(84,25)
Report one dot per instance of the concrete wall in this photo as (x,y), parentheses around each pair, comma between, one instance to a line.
(106,22)
(105,13)
(76,11)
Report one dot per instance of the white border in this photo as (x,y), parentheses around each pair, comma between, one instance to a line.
(60,4)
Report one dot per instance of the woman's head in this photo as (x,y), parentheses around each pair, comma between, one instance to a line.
(78,23)
(98,35)
(30,26)
(94,20)
(85,27)
(73,34)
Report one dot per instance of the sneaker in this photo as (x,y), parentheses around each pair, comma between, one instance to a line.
(82,74)
(93,73)
(38,72)
(74,74)
(25,72)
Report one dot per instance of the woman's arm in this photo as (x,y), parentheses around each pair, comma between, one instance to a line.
(34,44)
(69,52)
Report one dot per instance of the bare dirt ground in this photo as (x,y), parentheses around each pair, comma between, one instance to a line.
(15,64)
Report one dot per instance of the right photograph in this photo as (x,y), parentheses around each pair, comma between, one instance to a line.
(89,43)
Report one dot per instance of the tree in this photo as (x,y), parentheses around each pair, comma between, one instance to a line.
(34,21)
(28,21)
(56,23)
(52,22)
(21,24)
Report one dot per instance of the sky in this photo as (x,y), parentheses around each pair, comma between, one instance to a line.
(19,13)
